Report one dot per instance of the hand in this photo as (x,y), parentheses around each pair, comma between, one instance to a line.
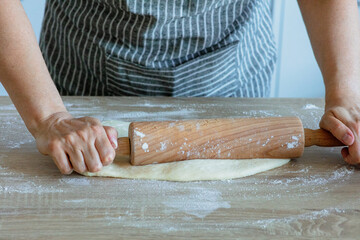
(80,144)
(342,119)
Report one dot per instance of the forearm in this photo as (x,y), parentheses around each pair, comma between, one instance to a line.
(334,31)
(23,71)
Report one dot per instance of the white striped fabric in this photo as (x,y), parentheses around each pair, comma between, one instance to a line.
(159,47)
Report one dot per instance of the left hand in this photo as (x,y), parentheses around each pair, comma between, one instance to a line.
(342,119)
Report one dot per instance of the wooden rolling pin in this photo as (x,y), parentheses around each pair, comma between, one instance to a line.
(168,141)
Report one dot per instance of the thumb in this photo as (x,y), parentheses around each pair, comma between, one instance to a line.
(112,136)
(338,129)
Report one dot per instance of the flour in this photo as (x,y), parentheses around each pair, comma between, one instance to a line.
(27,186)
(200,202)
(139,134)
(16,133)
(260,113)
(311,216)
(338,175)
(75,181)
(185,206)
(68,105)
(145,147)
(163,146)
(310,106)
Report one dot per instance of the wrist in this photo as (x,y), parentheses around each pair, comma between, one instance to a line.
(342,89)
(37,124)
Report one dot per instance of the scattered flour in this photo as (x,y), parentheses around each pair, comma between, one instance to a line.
(163,146)
(338,175)
(310,106)
(311,216)
(139,134)
(26,186)
(79,181)
(145,147)
(67,104)
(294,143)
(200,202)
(193,202)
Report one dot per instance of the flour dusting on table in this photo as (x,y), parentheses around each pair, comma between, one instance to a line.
(310,106)
(199,202)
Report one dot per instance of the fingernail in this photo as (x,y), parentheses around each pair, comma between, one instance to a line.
(114,142)
(347,139)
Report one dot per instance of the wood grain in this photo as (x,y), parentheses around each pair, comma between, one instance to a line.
(315,196)
(226,138)
(321,138)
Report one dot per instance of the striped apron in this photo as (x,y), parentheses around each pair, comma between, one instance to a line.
(180,48)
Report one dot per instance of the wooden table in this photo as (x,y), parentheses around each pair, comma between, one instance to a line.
(317,195)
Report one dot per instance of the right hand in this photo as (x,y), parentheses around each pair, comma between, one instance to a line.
(79,144)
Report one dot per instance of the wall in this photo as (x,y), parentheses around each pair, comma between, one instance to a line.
(296,69)
(297,73)
(35,13)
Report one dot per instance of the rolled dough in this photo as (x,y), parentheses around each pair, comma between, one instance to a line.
(192,170)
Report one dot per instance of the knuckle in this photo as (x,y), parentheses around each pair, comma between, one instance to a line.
(96,121)
(108,155)
(65,170)
(95,168)
(111,130)
(108,159)
(97,129)
(92,120)
(70,138)
(80,169)
(82,134)
(53,145)
(336,127)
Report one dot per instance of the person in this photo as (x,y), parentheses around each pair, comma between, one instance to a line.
(163,48)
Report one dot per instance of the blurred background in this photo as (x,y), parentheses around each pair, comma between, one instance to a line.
(296,68)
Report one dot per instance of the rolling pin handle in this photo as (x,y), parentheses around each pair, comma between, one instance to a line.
(123,149)
(320,138)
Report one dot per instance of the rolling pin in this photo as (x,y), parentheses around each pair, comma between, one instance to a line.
(240,138)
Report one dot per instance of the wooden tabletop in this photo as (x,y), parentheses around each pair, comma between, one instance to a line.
(317,195)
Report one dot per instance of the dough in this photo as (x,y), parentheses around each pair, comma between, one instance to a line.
(192,170)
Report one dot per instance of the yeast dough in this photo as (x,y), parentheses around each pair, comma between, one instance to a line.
(192,170)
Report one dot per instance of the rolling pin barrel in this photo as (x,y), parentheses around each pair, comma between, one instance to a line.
(159,142)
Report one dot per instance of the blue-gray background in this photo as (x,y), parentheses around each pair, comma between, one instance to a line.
(296,75)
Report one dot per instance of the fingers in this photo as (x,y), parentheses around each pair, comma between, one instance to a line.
(77,161)
(352,154)
(62,162)
(338,129)
(345,127)
(92,158)
(79,144)
(112,136)
(105,150)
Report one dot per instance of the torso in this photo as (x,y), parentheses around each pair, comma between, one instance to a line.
(159,48)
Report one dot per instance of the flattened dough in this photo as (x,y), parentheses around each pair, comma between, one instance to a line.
(192,170)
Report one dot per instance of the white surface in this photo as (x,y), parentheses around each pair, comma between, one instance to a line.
(296,70)
(192,170)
